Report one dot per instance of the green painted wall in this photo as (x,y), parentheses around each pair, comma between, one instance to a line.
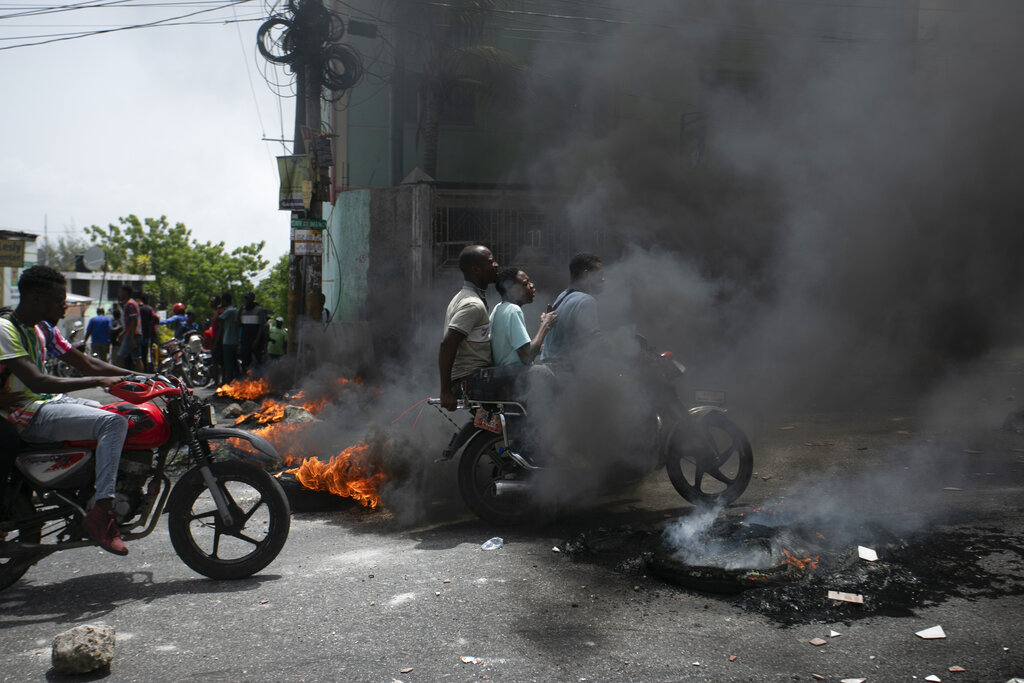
(347,255)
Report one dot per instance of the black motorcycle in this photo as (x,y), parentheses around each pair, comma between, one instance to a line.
(707,456)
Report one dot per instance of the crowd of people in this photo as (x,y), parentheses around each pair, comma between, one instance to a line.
(238,338)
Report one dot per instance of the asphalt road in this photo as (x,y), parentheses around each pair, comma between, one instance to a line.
(356,596)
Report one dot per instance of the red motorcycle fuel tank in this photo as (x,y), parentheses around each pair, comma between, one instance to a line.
(147,426)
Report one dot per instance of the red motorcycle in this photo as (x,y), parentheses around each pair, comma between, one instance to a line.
(228,519)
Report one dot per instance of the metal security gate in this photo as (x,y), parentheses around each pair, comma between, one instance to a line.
(521,227)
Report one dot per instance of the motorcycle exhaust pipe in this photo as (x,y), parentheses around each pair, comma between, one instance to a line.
(510,487)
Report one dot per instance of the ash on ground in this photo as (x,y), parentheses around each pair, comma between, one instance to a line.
(910,573)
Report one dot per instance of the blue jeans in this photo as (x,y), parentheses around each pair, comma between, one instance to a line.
(79,419)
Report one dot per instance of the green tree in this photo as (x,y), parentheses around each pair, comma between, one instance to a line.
(185,269)
(272,291)
(60,253)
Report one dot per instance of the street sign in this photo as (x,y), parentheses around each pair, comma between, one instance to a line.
(308,248)
(307,241)
(308,224)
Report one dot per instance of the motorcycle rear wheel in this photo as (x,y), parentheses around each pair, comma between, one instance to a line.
(261,520)
(11,568)
(480,466)
(711,462)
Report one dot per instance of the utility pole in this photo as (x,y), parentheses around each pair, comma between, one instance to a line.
(308,45)
(304,271)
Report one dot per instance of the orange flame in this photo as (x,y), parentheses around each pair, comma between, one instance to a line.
(349,474)
(245,389)
(801,563)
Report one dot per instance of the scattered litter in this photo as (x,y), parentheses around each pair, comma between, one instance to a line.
(696,663)
(732,658)
(957,669)
(952,488)
(493,543)
(933,679)
(471,660)
(817,677)
(853,680)
(867,553)
(447,581)
(636,588)
(834,634)
(766,477)
(406,670)
(556,549)
(437,593)
(931,633)
(264,601)
(846,597)
(817,642)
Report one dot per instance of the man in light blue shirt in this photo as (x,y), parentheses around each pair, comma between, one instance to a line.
(510,342)
(577,311)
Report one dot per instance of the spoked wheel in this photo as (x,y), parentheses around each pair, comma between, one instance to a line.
(484,474)
(13,568)
(709,463)
(199,375)
(258,530)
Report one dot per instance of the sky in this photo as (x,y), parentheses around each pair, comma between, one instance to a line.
(152,121)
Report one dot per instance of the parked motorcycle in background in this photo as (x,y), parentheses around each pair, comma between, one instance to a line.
(184,359)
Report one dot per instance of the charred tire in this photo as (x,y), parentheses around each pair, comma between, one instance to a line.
(480,466)
(711,462)
(259,529)
(11,568)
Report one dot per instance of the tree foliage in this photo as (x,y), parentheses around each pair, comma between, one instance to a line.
(60,253)
(185,269)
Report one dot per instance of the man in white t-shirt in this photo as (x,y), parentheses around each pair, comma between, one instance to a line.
(510,342)
(466,345)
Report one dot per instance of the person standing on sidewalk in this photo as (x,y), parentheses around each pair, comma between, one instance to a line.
(99,329)
(227,338)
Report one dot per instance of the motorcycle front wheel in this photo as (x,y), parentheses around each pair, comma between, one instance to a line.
(260,513)
(199,375)
(13,568)
(709,459)
(481,468)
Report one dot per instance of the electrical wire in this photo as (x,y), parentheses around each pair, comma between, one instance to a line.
(158,22)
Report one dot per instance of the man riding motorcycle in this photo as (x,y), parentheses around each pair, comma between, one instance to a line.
(40,413)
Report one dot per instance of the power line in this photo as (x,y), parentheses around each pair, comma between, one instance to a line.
(150,24)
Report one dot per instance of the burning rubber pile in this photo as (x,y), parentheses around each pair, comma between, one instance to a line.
(356,473)
(796,575)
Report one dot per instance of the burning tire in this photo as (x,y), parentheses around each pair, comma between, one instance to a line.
(12,568)
(259,529)
(712,462)
(484,474)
